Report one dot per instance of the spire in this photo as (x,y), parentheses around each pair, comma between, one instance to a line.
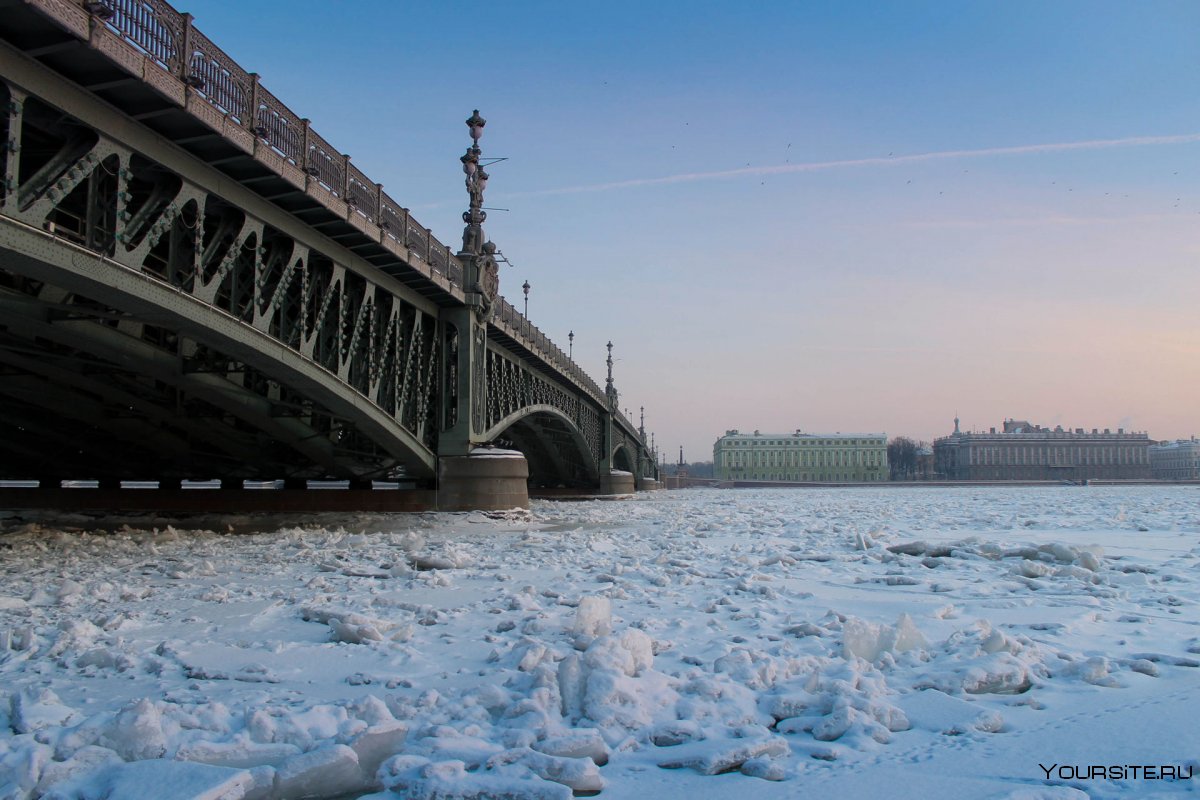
(956,431)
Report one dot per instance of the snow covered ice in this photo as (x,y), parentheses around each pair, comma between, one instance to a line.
(897,642)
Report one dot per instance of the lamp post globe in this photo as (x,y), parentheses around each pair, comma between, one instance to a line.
(475,123)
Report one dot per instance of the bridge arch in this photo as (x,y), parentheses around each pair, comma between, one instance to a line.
(623,460)
(221,338)
(555,448)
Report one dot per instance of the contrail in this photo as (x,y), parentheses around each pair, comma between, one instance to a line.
(817,166)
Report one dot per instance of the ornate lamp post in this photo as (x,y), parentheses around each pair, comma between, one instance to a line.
(466,326)
(525,289)
(483,273)
(608,386)
(476,182)
(571,344)
(643,451)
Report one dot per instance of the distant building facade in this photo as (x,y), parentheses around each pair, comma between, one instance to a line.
(1176,461)
(1022,451)
(925,466)
(799,457)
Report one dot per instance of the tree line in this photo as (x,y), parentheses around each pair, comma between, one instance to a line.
(904,459)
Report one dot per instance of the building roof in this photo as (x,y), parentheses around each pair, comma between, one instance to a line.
(1177,444)
(801,435)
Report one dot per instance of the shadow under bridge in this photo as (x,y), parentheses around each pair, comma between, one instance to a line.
(560,431)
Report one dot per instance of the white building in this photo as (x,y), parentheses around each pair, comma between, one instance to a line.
(801,457)
(1176,461)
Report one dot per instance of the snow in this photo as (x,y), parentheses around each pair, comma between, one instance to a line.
(898,642)
(495,452)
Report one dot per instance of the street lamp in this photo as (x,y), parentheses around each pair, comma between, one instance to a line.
(476,182)
(481,279)
(571,344)
(525,288)
(610,391)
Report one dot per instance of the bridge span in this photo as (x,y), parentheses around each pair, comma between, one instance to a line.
(194,284)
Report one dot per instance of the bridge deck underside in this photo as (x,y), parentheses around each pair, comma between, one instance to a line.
(551,449)
(89,391)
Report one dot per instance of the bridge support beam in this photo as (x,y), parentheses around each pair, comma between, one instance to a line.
(482,481)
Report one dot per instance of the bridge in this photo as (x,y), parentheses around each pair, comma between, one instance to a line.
(194,284)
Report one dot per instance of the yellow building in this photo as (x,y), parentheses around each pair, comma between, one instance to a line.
(800,457)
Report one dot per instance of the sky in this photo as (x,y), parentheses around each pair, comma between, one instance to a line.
(862,217)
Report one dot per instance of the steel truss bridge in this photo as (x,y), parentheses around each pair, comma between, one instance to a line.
(195,284)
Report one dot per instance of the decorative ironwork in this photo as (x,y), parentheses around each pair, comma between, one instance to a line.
(511,323)
(223,82)
(439,258)
(392,218)
(168,37)
(479,387)
(151,25)
(478,255)
(325,164)
(279,127)
(362,194)
(417,239)
(149,220)
(512,387)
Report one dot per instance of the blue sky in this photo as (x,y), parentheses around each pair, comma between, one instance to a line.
(827,216)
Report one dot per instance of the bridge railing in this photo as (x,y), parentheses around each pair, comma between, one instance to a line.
(279,128)
(206,68)
(516,325)
(170,40)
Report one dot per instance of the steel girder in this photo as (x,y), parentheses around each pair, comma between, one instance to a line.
(93,229)
(558,430)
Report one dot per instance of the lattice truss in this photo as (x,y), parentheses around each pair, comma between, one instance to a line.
(552,444)
(63,177)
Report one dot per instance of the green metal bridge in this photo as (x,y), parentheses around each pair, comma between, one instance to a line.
(195,284)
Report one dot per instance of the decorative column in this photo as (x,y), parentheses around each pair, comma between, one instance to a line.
(645,472)
(611,481)
(472,475)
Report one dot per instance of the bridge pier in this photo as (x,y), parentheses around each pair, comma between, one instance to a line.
(485,480)
(617,482)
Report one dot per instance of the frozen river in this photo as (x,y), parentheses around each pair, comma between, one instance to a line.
(901,643)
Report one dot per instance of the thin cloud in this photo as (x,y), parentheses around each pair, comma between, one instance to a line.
(818,166)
